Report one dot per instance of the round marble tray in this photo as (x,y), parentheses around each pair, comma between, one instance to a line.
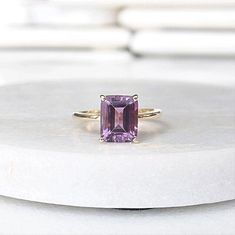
(185,158)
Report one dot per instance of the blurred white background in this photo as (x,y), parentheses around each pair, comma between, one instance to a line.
(181,39)
(153,27)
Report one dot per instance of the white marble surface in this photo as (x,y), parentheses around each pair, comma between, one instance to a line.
(177,18)
(12,12)
(150,3)
(92,38)
(46,59)
(25,218)
(186,158)
(199,43)
(49,14)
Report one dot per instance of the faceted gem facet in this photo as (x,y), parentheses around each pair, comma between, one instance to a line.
(119,118)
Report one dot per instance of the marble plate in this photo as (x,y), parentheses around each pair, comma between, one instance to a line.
(185,158)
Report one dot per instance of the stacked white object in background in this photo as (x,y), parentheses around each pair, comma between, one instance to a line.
(154,27)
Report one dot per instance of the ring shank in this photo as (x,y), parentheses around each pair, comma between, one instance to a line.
(95,114)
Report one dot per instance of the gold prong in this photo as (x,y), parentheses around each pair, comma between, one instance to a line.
(101,140)
(135,97)
(102,97)
(135,141)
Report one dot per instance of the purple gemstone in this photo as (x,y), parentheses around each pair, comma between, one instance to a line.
(119,118)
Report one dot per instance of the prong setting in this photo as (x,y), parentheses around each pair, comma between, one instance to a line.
(102,97)
(135,97)
(135,141)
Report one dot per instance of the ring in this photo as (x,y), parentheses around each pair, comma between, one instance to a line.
(118,117)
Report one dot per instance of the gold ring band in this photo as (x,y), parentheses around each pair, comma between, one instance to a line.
(95,114)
